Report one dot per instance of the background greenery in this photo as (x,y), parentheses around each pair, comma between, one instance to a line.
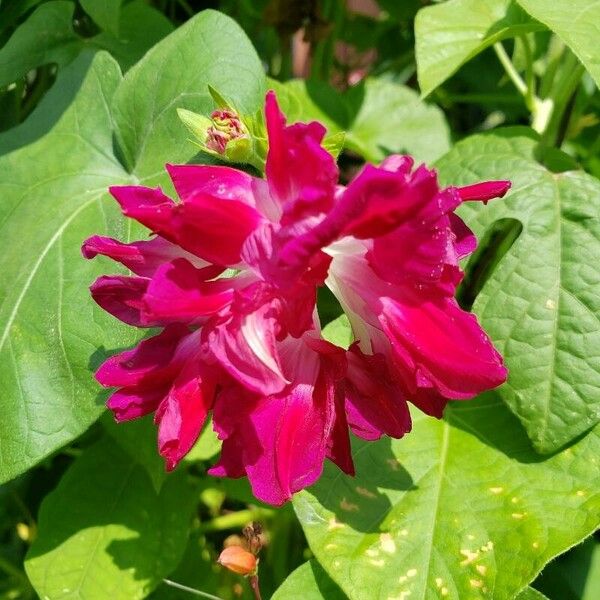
(492,502)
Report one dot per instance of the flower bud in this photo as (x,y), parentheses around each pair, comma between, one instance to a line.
(238,560)
(226,126)
(224,134)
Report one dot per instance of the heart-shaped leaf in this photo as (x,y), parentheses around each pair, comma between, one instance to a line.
(47,36)
(53,196)
(576,22)
(309,582)
(452,33)
(105,532)
(459,508)
(541,303)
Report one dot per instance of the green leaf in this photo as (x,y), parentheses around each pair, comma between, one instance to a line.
(309,582)
(577,23)
(104,13)
(52,336)
(459,508)
(392,119)
(51,107)
(47,36)
(380,118)
(530,593)
(450,34)
(141,27)
(209,49)
(138,438)
(105,532)
(575,575)
(542,302)
(339,332)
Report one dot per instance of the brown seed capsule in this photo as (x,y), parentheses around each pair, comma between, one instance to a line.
(238,560)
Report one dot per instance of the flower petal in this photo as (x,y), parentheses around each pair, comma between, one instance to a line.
(484,191)
(179,292)
(245,344)
(148,364)
(374,402)
(214,229)
(182,413)
(121,296)
(221,182)
(437,345)
(209,227)
(302,175)
(132,402)
(143,257)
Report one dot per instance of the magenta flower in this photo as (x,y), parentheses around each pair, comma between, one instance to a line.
(230,274)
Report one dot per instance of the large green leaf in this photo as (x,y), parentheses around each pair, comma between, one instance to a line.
(459,508)
(105,532)
(379,118)
(542,302)
(576,22)
(309,582)
(393,119)
(450,34)
(47,36)
(50,333)
(105,13)
(52,196)
(210,49)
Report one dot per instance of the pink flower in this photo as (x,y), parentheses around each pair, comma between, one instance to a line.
(230,274)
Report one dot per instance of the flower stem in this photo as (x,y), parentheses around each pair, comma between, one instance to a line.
(510,68)
(253,579)
(190,590)
(529,75)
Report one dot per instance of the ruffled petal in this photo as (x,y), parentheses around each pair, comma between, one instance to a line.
(375,404)
(132,402)
(437,345)
(143,257)
(220,182)
(121,296)
(246,343)
(181,415)
(465,241)
(484,191)
(149,206)
(214,229)
(148,364)
(302,175)
(179,293)
(209,227)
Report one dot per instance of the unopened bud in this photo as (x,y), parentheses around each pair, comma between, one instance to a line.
(226,126)
(238,560)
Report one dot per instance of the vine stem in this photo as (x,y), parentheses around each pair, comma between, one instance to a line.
(253,580)
(190,590)
(529,75)
(510,68)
